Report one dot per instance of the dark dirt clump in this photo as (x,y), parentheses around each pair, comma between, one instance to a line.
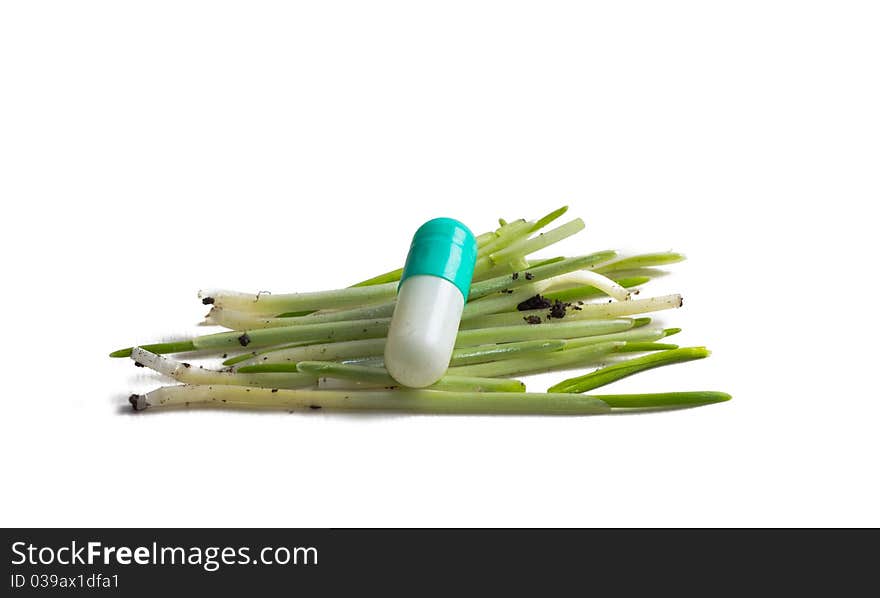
(557,310)
(536,302)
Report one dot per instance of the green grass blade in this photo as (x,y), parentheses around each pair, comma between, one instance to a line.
(545,220)
(392,276)
(639,347)
(551,260)
(380,377)
(663,399)
(524,247)
(499,351)
(645,260)
(565,359)
(617,371)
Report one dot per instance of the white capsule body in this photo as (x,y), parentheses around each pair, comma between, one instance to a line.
(423,330)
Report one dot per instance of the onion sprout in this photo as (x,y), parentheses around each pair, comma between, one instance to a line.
(525,315)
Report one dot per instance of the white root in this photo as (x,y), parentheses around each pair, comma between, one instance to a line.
(270,304)
(596,280)
(190,374)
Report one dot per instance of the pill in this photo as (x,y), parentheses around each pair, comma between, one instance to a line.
(430,298)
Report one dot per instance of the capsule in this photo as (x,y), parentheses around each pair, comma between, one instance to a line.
(430,298)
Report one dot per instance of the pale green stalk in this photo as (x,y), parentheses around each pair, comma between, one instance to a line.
(381,377)
(240,320)
(499,351)
(645,335)
(358,352)
(526,332)
(485,238)
(264,337)
(587,311)
(413,401)
(337,351)
(269,304)
(250,355)
(566,359)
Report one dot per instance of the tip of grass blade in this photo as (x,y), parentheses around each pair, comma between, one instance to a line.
(645,260)
(545,220)
(639,322)
(600,257)
(239,358)
(663,399)
(158,348)
(671,331)
(546,262)
(629,282)
(644,347)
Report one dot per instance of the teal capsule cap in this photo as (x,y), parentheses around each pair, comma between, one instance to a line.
(445,248)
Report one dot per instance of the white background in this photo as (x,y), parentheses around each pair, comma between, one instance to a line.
(151,149)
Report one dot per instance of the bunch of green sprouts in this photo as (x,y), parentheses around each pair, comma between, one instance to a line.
(524,316)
